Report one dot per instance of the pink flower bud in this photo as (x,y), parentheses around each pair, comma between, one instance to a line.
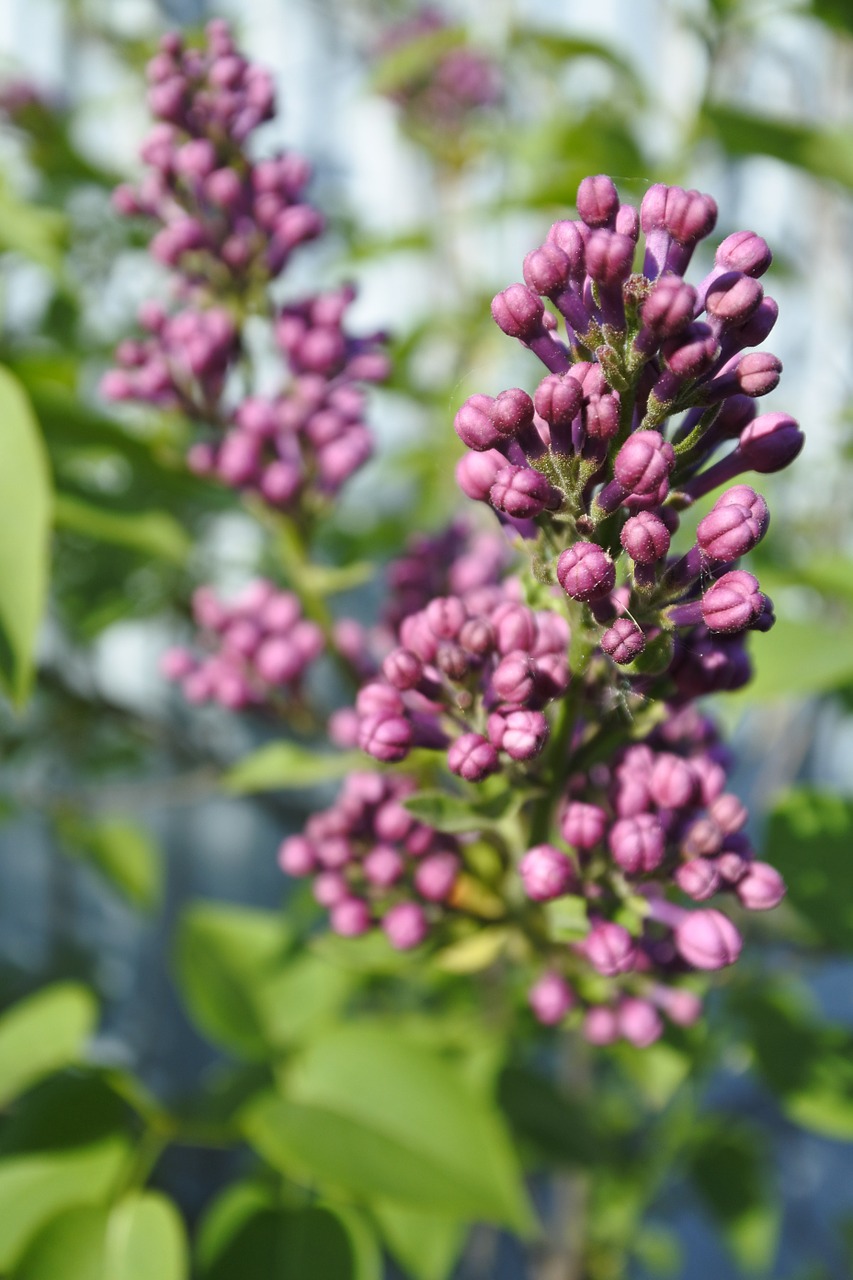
(761,888)
(610,949)
(550,998)
(350,918)
(707,939)
(586,572)
(639,1022)
(637,843)
(405,926)
(472,757)
(436,876)
(545,872)
(583,825)
(624,641)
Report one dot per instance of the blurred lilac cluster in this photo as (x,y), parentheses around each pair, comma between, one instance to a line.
(228,227)
(373,863)
(258,649)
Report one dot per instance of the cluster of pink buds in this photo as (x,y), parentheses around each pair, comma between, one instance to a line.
(256,649)
(228,226)
(373,863)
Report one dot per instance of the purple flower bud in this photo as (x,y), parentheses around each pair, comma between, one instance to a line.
(732,603)
(545,872)
(515,627)
(609,257)
(385,737)
(672,782)
(472,757)
(550,998)
(637,843)
(296,856)
(547,270)
(761,888)
(477,637)
(597,201)
(558,399)
(512,412)
(733,298)
(628,222)
(610,949)
(639,1022)
(624,641)
(518,312)
(477,472)
(523,734)
(278,661)
(680,1006)
(523,492)
(436,876)
(757,373)
(701,839)
(350,918)
(377,698)
(692,352)
(736,524)
(383,866)
(707,939)
(600,1025)
(446,616)
(770,442)
(669,308)
(405,926)
(514,677)
(698,878)
(744,251)
(586,572)
(728,813)
(402,669)
(583,825)
(644,463)
(474,426)
(645,537)
(330,888)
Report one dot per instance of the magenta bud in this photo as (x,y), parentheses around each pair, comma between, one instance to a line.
(512,412)
(515,627)
(550,998)
(733,298)
(473,423)
(402,669)
(545,872)
(446,616)
(770,442)
(669,308)
(637,843)
(624,641)
(570,237)
(514,677)
(558,399)
(436,876)
(383,866)
(597,201)
(610,949)
(477,637)
(689,216)
(385,737)
(330,888)
(583,825)
(376,698)
(547,270)
(639,1022)
(586,572)
(296,856)
(733,603)
(701,839)
(744,251)
(523,493)
(405,926)
(523,734)
(707,939)
(350,918)
(477,472)
(600,1025)
(698,878)
(609,258)
(518,312)
(628,222)
(672,782)
(761,888)
(680,1006)
(757,373)
(692,352)
(177,664)
(644,462)
(728,812)
(472,757)
(736,524)
(645,537)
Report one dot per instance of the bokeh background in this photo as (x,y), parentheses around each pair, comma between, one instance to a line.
(113,818)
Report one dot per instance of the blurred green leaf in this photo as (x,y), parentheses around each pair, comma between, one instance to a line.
(145,1240)
(31,230)
(726,1168)
(474,953)
(457,813)
(414,60)
(72,1245)
(287,766)
(42,1034)
(424,1244)
(557,1128)
(124,853)
(557,47)
(304,995)
(658,1071)
(224,956)
(567,918)
(824,153)
(797,660)
(25,498)
(835,13)
(381,1116)
(329,580)
(154,532)
(810,838)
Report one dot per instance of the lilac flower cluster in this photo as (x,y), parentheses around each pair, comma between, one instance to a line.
(373,863)
(228,227)
(451,81)
(258,649)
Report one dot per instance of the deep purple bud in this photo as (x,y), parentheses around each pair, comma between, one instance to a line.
(610,949)
(644,462)
(512,412)
(473,423)
(736,524)
(472,757)
(402,669)
(733,298)
(296,856)
(386,737)
(744,251)
(548,270)
(583,825)
(732,603)
(707,939)
(757,373)
(586,572)
(689,216)
(669,308)
(518,312)
(624,641)
(609,258)
(523,735)
(477,637)
(761,888)
(558,399)
(645,537)
(523,492)
(515,627)
(597,201)
(639,1022)
(692,352)
(477,472)
(698,878)
(405,926)
(637,843)
(770,443)
(545,872)
(350,918)
(436,876)
(628,222)
(550,998)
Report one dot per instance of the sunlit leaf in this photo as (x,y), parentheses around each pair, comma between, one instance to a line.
(43,1033)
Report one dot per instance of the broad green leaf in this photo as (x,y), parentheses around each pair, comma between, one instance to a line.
(329,580)
(125,854)
(224,957)
(34,232)
(810,839)
(456,813)
(658,1071)
(424,1244)
(474,953)
(154,532)
(726,1169)
(71,1245)
(381,1116)
(557,1128)
(798,660)
(287,766)
(824,153)
(371,953)
(25,499)
(303,995)
(42,1034)
(146,1240)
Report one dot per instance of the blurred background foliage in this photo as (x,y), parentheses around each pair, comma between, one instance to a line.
(185,1072)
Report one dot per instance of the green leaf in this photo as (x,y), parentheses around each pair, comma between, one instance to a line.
(457,813)
(824,153)
(224,956)
(726,1169)
(329,580)
(424,1244)
(124,854)
(809,838)
(155,533)
(414,60)
(556,1127)
(474,953)
(72,1245)
(381,1116)
(835,13)
(563,48)
(246,1235)
(42,1034)
(567,918)
(32,231)
(798,660)
(25,498)
(658,1071)
(287,766)
(146,1240)
(304,995)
